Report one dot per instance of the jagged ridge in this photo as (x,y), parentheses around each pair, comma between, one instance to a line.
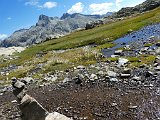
(48,28)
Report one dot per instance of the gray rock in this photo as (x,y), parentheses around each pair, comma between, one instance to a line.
(94,77)
(136,78)
(19,84)
(111,74)
(67,80)
(132,107)
(93,24)
(158,51)
(27,80)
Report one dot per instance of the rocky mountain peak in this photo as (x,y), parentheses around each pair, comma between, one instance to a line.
(65,15)
(43,17)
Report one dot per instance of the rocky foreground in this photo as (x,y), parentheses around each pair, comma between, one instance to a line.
(107,90)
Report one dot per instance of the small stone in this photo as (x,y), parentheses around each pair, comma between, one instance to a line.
(133,107)
(111,74)
(113,104)
(114,56)
(157,68)
(136,78)
(125,75)
(93,76)
(113,80)
(14,101)
(101,73)
(41,86)
(80,67)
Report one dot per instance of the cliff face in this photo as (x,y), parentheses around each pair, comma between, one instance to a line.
(145,6)
(47,28)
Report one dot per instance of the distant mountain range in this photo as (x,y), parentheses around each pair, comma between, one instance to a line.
(48,28)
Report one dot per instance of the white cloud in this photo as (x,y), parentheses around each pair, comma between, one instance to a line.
(9,18)
(77,8)
(3,36)
(32,2)
(101,8)
(118,2)
(49,5)
(36,3)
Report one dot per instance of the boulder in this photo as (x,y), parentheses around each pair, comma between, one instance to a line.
(113,80)
(118,52)
(93,77)
(122,61)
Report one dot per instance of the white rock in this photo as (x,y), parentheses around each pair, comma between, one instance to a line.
(122,61)
(118,52)
(56,116)
(14,101)
(111,74)
(94,76)
(114,56)
(114,80)
(80,67)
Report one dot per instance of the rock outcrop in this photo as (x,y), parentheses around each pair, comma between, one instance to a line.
(30,108)
(145,6)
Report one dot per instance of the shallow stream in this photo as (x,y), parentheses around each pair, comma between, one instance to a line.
(146,33)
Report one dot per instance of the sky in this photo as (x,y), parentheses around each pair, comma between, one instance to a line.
(18,14)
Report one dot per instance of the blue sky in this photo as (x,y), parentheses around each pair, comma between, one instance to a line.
(18,14)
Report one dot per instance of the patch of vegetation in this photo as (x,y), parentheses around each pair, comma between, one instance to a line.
(133,59)
(143,59)
(148,45)
(113,59)
(105,46)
